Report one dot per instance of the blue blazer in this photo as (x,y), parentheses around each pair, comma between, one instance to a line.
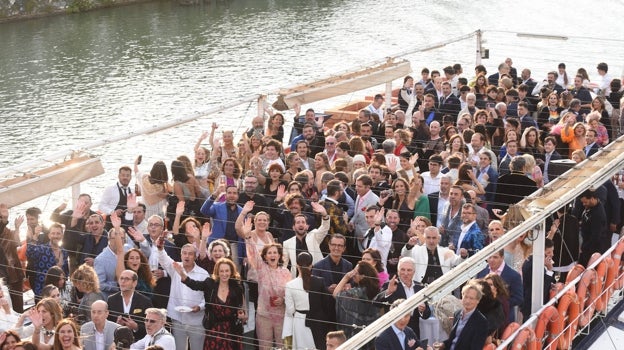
(473,240)
(388,340)
(218,213)
(474,334)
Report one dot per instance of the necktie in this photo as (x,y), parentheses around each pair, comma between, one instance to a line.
(125,191)
(370,235)
(442,99)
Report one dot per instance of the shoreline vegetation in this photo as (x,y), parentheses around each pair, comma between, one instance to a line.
(21,10)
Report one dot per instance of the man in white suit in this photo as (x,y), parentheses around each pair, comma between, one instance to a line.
(305,241)
(432,260)
(99,333)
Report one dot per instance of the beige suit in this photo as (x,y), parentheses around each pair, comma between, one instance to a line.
(313,240)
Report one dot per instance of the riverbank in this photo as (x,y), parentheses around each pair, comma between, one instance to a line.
(19,10)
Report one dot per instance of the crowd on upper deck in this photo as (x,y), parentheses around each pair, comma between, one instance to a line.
(326,230)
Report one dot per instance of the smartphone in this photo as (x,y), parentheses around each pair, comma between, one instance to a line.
(139,159)
(489,105)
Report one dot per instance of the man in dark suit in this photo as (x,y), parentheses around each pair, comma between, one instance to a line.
(513,187)
(437,200)
(449,103)
(470,329)
(402,288)
(503,69)
(527,277)
(526,120)
(496,264)
(332,268)
(132,317)
(399,335)
(550,154)
(592,147)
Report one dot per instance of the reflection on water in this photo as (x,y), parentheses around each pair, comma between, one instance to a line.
(69,80)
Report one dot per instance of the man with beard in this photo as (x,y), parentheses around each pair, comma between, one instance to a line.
(451,216)
(115,198)
(316,140)
(399,238)
(305,241)
(251,193)
(223,215)
(10,266)
(95,241)
(594,227)
(74,221)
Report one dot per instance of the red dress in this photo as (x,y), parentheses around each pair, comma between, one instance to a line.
(221,336)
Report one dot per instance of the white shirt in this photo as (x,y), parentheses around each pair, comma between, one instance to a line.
(441,205)
(110,199)
(379,111)
(382,240)
(181,295)
(99,340)
(431,184)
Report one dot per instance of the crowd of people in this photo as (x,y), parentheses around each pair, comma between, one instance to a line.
(318,235)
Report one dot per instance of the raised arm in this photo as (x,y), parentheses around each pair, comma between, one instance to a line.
(241,219)
(201,138)
(178,215)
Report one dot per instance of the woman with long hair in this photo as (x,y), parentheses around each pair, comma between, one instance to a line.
(530,143)
(599,106)
(501,293)
(399,201)
(574,135)
(154,187)
(298,305)
(57,277)
(491,308)
(66,336)
(135,260)
(86,281)
(373,257)
(275,127)
(185,188)
(8,339)
(467,180)
(293,166)
(480,87)
(355,306)
(417,199)
(321,165)
(201,165)
(225,311)
(550,114)
(455,144)
(44,316)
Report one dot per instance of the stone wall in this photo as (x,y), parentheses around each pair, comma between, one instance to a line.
(25,9)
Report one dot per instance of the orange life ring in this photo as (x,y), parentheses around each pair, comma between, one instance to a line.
(609,279)
(549,319)
(617,259)
(555,289)
(511,328)
(568,309)
(576,271)
(602,294)
(525,340)
(588,305)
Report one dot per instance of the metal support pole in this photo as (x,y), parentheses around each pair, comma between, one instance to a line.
(261,101)
(478,58)
(537,295)
(388,95)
